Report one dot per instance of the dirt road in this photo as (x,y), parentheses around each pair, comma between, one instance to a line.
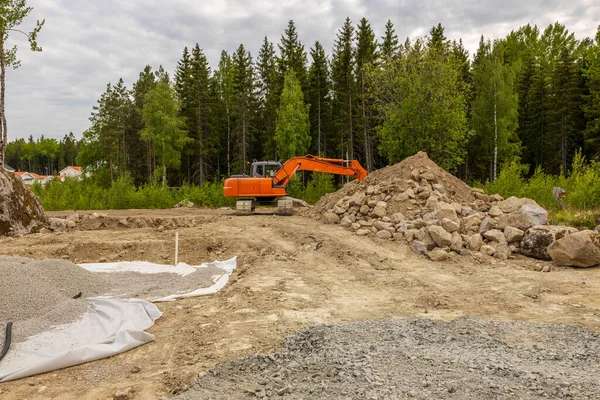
(292,272)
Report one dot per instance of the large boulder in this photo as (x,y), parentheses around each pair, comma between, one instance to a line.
(537,215)
(20,210)
(527,216)
(536,240)
(513,204)
(580,249)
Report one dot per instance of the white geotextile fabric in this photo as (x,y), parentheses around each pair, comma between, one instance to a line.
(111,326)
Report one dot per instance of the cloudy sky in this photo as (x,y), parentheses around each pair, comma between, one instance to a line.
(88,43)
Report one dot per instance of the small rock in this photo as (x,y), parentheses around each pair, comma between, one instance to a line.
(364,210)
(380,210)
(441,237)
(486,225)
(475,242)
(123,394)
(346,222)
(457,242)
(438,255)
(495,235)
(487,249)
(398,218)
(358,199)
(362,232)
(495,211)
(135,369)
(331,218)
(513,234)
(418,247)
(428,176)
(450,225)
(384,235)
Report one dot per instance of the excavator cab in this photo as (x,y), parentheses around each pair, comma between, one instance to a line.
(264,169)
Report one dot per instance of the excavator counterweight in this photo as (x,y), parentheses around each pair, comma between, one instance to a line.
(269,180)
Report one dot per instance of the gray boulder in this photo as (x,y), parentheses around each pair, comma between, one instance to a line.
(580,249)
(513,204)
(537,215)
(20,210)
(536,240)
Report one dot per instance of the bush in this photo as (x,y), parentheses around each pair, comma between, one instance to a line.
(581,204)
(89,194)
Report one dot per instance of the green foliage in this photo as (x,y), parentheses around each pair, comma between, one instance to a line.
(89,194)
(319,185)
(493,111)
(420,98)
(163,126)
(582,186)
(292,132)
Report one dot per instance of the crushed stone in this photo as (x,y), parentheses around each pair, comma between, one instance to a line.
(418,359)
(38,295)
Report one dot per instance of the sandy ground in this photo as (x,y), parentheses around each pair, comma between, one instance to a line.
(292,272)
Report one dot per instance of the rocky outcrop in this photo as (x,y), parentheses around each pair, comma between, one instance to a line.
(536,240)
(580,249)
(20,210)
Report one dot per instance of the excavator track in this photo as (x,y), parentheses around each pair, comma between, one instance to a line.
(285,207)
(244,207)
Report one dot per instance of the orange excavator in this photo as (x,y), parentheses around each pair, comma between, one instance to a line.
(268,180)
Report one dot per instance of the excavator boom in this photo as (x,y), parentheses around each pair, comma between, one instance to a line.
(310,163)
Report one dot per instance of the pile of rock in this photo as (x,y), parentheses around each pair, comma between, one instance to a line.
(437,215)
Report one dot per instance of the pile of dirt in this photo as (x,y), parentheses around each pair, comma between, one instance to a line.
(20,210)
(434,212)
(422,359)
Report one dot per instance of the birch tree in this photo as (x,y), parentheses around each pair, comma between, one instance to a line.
(12,14)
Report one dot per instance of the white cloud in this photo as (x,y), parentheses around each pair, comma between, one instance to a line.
(89,43)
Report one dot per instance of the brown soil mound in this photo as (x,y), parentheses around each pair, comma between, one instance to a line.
(397,176)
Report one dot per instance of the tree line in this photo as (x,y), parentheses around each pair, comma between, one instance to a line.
(532,97)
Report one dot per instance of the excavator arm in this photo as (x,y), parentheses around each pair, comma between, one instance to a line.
(311,163)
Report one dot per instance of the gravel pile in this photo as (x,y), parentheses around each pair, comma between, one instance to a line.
(37,295)
(420,359)
(437,214)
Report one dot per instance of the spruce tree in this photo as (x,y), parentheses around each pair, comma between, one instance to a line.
(343,89)
(244,107)
(268,98)
(366,56)
(592,99)
(141,155)
(223,83)
(292,57)
(319,87)
(389,42)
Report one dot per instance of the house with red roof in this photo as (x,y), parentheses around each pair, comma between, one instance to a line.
(70,171)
